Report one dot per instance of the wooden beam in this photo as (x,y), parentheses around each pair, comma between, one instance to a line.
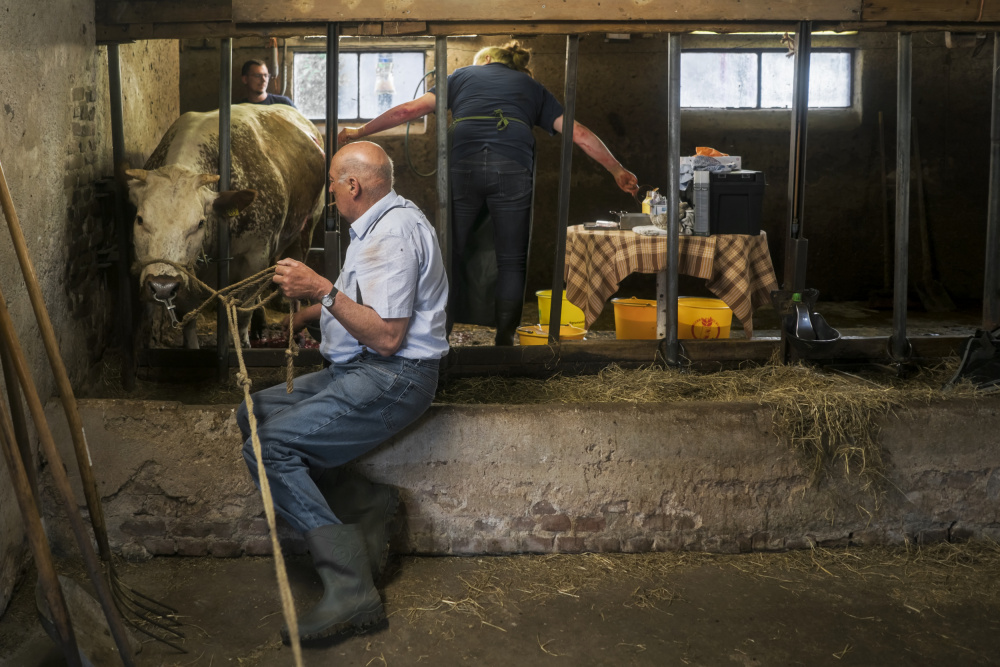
(916,11)
(109,33)
(577,357)
(254,11)
(164,11)
(439,29)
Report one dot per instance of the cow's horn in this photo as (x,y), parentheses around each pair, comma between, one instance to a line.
(137,174)
(208,179)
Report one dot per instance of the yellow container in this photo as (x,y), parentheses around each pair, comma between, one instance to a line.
(703,318)
(539,334)
(570,314)
(635,318)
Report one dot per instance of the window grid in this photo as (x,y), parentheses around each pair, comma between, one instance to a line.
(318,87)
(759,52)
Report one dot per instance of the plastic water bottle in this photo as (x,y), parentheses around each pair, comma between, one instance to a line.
(658,210)
(647,203)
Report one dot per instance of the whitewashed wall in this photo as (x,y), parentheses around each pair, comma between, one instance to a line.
(55,141)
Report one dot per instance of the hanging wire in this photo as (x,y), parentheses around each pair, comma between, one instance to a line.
(406,139)
(638,193)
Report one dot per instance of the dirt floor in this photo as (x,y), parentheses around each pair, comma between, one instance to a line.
(936,605)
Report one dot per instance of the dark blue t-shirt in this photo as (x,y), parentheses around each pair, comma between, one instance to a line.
(272,99)
(477,90)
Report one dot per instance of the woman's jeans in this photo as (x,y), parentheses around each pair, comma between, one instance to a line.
(504,186)
(333,416)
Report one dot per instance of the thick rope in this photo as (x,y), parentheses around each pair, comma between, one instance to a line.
(287,603)
(259,281)
(236,295)
(292,350)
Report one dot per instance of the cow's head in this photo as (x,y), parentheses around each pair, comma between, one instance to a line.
(175,209)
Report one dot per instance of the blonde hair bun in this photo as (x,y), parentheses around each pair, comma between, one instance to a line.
(511,54)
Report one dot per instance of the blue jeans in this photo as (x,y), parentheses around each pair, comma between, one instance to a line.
(504,186)
(333,416)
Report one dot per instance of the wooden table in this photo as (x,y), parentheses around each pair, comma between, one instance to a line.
(737,267)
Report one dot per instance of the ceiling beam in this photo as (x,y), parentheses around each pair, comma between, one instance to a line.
(254,11)
(219,29)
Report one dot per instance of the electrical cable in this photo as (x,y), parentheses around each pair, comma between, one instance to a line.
(406,138)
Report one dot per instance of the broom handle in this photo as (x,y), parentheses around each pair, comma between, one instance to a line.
(25,493)
(59,371)
(58,471)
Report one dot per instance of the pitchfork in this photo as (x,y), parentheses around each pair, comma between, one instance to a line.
(145,614)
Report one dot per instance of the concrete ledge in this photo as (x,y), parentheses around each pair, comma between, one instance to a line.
(552,478)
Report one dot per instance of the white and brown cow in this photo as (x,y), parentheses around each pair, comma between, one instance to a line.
(277,178)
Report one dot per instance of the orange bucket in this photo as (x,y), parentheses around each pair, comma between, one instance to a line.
(571,314)
(635,318)
(539,334)
(703,318)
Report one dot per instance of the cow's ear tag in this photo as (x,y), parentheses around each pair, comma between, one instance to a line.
(233,212)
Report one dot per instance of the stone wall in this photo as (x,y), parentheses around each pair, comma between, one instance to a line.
(55,141)
(557,479)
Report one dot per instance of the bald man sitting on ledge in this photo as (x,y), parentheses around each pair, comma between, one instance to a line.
(383,325)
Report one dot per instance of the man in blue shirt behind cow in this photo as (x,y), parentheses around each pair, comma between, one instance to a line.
(256,78)
(383,325)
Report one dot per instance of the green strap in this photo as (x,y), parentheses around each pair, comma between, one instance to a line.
(497,115)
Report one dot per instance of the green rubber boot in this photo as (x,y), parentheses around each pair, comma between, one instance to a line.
(372,506)
(350,601)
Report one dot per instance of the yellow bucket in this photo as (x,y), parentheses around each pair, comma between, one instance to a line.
(570,314)
(703,318)
(635,318)
(539,334)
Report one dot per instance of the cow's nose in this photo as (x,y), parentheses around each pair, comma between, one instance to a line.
(163,288)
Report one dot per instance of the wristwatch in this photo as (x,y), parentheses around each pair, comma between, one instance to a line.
(328,299)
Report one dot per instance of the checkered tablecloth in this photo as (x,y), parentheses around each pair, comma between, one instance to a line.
(737,267)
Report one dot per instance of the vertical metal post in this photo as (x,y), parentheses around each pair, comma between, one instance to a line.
(442,220)
(666,281)
(123,237)
(796,247)
(565,170)
(331,229)
(899,347)
(991,286)
(222,231)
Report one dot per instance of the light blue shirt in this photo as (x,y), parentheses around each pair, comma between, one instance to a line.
(395,263)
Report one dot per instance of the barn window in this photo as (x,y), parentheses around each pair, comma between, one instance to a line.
(369,83)
(762,79)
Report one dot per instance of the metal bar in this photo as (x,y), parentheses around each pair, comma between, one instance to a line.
(443,217)
(668,314)
(565,170)
(180,359)
(222,230)
(331,229)
(795,245)
(123,237)
(899,347)
(991,279)
(591,356)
